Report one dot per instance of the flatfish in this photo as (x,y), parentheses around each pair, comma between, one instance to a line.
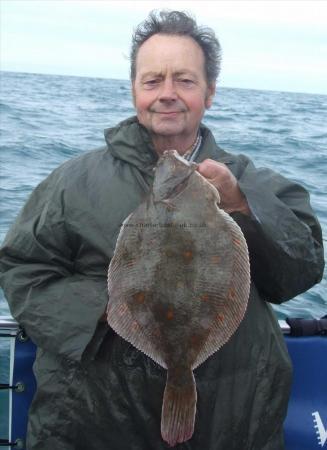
(178,283)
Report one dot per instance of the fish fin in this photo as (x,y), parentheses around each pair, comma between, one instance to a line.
(120,319)
(178,410)
(232,305)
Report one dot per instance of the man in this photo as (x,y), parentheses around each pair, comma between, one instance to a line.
(96,391)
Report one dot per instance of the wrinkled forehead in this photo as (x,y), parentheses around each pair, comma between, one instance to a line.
(164,54)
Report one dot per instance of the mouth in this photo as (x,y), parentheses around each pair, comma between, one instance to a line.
(168,113)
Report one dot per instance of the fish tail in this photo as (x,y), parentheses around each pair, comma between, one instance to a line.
(178,409)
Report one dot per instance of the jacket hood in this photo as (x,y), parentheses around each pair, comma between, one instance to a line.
(131,142)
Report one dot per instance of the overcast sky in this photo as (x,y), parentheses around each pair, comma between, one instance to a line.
(277,45)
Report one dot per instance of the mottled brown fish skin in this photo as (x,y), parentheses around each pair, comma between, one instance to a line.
(178,283)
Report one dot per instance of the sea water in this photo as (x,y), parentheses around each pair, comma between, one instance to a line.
(47,119)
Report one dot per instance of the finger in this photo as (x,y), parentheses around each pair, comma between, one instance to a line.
(211,169)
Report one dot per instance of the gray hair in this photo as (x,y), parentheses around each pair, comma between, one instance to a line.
(178,23)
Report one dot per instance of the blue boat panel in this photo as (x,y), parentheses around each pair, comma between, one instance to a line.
(306,422)
(22,374)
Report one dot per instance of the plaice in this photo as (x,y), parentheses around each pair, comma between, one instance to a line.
(178,283)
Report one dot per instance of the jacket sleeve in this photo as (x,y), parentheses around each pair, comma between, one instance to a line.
(58,307)
(283,235)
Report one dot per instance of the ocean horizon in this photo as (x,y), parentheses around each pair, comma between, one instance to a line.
(124,80)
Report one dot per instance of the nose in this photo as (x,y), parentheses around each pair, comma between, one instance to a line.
(168,91)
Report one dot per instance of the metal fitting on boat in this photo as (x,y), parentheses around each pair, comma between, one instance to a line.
(22,336)
(19,387)
(19,443)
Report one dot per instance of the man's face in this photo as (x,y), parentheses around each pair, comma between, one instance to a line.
(170,89)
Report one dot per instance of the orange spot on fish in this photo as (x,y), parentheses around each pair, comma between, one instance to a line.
(135,326)
(139,297)
(237,242)
(220,317)
(215,259)
(204,297)
(188,255)
(170,314)
(231,294)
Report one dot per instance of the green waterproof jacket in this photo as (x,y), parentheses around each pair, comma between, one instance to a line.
(97,392)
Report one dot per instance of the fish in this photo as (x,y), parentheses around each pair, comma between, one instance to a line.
(178,283)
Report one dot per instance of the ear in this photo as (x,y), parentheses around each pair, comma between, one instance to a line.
(211,90)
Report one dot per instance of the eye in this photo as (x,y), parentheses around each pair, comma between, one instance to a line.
(151,83)
(185,81)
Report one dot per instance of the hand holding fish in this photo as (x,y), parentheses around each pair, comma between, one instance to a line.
(231,197)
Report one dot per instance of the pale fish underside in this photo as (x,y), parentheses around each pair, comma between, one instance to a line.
(178,283)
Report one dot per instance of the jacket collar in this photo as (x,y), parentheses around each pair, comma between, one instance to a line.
(131,142)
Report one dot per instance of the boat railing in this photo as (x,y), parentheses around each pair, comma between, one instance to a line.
(305,426)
